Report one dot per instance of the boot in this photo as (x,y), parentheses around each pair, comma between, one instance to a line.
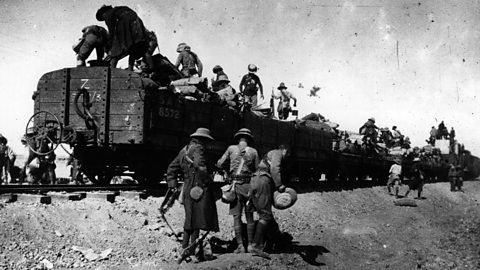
(250,233)
(256,248)
(389,189)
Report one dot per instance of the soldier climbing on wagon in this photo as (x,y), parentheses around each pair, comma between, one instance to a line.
(250,85)
(127,34)
(243,160)
(94,37)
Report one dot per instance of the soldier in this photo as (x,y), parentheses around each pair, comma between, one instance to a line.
(198,199)
(452,176)
(94,37)
(7,161)
(394,176)
(42,170)
(418,176)
(243,161)
(284,104)
(249,86)
(218,71)
(265,179)
(369,130)
(128,35)
(191,64)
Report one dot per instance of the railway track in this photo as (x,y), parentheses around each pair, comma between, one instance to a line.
(161,188)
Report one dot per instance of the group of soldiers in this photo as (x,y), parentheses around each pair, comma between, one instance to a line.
(252,180)
(36,169)
(127,36)
(441,133)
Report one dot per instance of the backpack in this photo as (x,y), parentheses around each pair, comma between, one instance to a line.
(250,86)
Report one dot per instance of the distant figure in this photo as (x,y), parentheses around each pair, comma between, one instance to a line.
(433,136)
(386,137)
(243,161)
(394,177)
(218,71)
(197,195)
(369,130)
(455,175)
(94,37)
(191,64)
(128,36)
(7,160)
(452,136)
(284,104)
(417,177)
(442,132)
(250,85)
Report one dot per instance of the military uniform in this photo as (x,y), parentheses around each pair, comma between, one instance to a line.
(190,62)
(128,35)
(94,37)
(191,162)
(265,180)
(243,161)
(418,177)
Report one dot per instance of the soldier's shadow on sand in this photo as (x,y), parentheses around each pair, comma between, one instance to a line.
(278,242)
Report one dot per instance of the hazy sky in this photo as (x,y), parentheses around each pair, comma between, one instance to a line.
(349,48)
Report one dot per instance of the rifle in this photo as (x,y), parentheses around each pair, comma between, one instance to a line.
(170,197)
(187,251)
(272,103)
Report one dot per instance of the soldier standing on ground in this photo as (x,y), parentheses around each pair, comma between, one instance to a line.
(94,37)
(250,85)
(265,181)
(128,35)
(418,178)
(243,161)
(191,64)
(198,199)
(394,177)
(284,104)
(7,157)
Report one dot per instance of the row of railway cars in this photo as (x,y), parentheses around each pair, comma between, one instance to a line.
(118,125)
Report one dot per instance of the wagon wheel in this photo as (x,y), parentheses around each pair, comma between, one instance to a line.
(44,133)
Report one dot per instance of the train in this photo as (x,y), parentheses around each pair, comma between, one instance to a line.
(117,124)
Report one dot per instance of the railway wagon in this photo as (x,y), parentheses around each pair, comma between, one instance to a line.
(119,125)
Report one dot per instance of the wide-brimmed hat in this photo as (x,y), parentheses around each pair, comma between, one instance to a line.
(202,132)
(181,47)
(217,68)
(372,119)
(252,68)
(223,78)
(282,86)
(100,12)
(243,132)
(284,200)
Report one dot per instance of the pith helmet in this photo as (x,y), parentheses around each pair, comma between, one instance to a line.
(243,132)
(100,12)
(281,86)
(416,159)
(372,119)
(223,78)
(252,68)
(202,132)
(181,47)
(217,68)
